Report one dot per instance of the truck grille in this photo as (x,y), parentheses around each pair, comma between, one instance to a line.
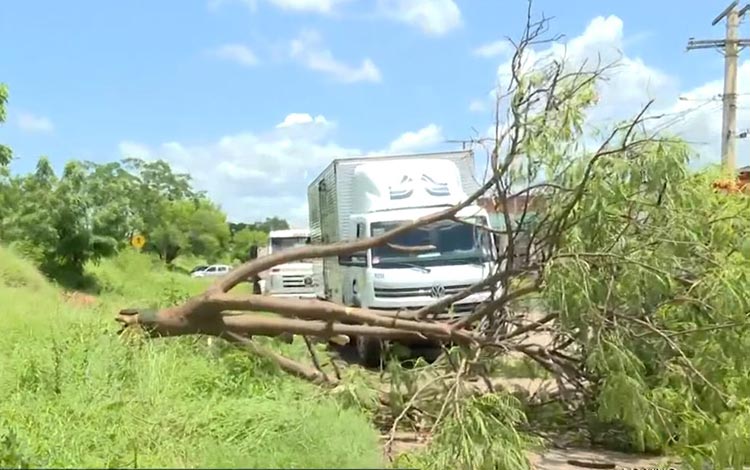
(464,308)
(416,291)
(293,281)
(459,310)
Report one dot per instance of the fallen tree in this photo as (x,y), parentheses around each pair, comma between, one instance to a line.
(633,263)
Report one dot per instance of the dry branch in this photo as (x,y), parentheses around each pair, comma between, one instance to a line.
(288,365)
(166,323)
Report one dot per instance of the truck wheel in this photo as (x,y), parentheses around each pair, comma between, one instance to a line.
(370,351)
(431,354)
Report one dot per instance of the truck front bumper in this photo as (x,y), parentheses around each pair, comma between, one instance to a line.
(293,295)
(391,306)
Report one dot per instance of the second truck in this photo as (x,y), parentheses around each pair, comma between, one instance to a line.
(290,279)
(356,198)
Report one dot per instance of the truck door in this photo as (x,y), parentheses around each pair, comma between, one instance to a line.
(325,212)
(354,267)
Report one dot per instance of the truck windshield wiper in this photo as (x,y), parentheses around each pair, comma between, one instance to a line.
(409,265)
(475,260)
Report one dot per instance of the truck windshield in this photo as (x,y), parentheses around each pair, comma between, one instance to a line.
(450,242)
(281,244)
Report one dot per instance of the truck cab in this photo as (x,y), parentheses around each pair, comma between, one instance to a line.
(420,266)
(290,279)
(361,198)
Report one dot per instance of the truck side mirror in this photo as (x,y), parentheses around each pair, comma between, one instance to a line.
(253,254)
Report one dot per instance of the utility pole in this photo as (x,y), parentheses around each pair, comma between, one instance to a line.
(731,45)
(462,142)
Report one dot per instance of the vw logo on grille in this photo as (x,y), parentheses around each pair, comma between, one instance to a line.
(437,291)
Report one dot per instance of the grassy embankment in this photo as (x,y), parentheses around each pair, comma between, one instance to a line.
(74,394)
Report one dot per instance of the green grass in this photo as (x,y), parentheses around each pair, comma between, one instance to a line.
(519,368)
(17,272)
(143,279)
(76,395)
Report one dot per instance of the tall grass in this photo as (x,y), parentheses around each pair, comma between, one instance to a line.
(76,395)
(142,279)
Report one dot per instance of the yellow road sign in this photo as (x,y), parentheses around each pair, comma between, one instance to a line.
(138,241)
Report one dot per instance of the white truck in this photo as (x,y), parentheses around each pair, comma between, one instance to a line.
(362,197)
(290,279)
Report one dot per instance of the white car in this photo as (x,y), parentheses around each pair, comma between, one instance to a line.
(212,271)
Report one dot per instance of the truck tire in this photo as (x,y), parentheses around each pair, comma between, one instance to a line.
(370,351)
(431,354)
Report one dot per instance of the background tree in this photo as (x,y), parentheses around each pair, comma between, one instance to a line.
(93,209)
(8,194)
(269,224)
(115,194)
(29,223)
(5,153)
(209,234)
(243,239)
(194,226)
(54,221)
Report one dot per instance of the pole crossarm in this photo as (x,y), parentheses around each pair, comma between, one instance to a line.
(714,43)
(695,43)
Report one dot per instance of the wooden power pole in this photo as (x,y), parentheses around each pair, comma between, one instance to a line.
(731,45)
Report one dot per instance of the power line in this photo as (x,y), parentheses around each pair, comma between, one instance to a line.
(701,100)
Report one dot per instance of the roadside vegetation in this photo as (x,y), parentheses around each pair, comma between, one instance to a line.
(77,395)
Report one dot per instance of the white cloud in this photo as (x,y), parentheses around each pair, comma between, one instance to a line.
(695,114)
(130,149)
(31,123)
(297,119)
(625,88)
(238,53)
(479,106)
(308,49)
(302,6)
(257,175)
(494,49)
(432,17)
(319,6)
(424,139)
(698,116)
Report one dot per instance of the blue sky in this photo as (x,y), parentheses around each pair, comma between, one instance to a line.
(207,84)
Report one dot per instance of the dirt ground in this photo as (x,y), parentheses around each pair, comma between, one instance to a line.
(562,459)
(555,459)
(571,459)
(78,298)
